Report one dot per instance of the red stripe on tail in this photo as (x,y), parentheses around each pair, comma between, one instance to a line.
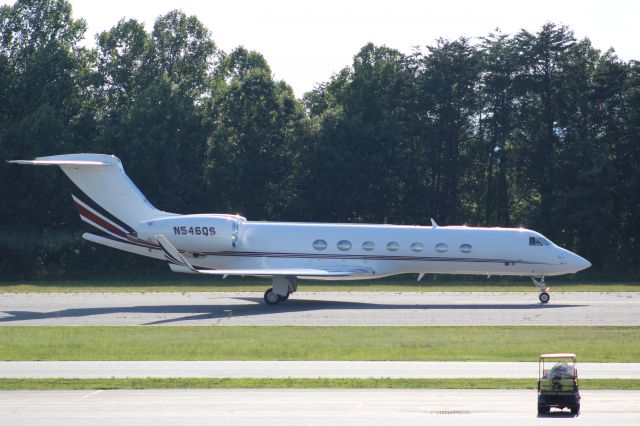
(98,220)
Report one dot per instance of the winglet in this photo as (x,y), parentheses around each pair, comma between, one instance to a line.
(434,225)
(177,261)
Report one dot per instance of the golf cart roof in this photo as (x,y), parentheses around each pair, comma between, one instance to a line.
(565,355)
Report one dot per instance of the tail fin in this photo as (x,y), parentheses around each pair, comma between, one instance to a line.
(103,194)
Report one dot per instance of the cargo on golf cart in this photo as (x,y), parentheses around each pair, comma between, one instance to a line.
(558,383)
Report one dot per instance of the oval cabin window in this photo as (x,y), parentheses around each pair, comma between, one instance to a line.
(368,245)
(319,244)
(344,245)
(417,247)
(393,246)
(466,248)
(441,247)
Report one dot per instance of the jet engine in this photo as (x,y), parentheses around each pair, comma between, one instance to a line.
(202,233)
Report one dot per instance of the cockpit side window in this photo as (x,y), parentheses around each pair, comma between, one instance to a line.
(545,241)
(533,241)
(539,241)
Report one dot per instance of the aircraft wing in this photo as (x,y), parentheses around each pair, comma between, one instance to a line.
(297,272)
(178,263)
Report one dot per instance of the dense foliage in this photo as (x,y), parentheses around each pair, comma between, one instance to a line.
(533,129)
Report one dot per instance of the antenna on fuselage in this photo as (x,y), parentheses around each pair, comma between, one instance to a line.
(434,225)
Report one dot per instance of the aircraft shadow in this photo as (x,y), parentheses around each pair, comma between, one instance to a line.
(558,415)
(255,306)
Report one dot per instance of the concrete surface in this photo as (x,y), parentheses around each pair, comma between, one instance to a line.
(307,407)
(312,309)
(306,369)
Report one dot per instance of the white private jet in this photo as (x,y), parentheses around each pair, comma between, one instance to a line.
(225,244)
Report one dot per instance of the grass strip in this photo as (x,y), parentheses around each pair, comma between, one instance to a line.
(487,343)
(292,383)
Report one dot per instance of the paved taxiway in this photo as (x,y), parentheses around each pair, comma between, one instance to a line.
(300,369)
(321,308)
(306,406)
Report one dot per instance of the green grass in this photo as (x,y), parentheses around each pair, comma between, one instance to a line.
(179,283)
(517,343)
(290,383)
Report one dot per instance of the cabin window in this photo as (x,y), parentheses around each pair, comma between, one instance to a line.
(319,244)
(368,245)
(393,246)
(417,247)
(466,248)
(344,245)
(441,247)
(533,241)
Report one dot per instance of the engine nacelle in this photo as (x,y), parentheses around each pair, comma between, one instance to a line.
(195,233)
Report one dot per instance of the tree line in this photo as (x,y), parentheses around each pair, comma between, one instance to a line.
(539,130)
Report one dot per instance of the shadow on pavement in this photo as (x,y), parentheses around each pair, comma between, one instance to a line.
(255,306)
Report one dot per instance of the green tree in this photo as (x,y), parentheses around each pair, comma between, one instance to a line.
(154,89)
(43,111)
(182,50)
(123,64)
(447,81)
(498,103)
(624,140)
(541,98)
(360,122)
(252,150)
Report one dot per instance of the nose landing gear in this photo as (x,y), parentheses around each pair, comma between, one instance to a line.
(544,296)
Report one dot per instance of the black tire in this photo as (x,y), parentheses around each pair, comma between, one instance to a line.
(575,409)
(283,298)
(544,297)
(543,409)
(271,298)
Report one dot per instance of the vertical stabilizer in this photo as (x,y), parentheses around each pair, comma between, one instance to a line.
(103,194)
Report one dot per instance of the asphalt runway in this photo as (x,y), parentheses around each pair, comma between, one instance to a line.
(300,369)
(307,407)
(321,308)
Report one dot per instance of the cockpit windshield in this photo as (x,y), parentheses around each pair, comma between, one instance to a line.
(539,241)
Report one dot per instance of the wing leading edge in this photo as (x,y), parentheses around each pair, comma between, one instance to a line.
(178,263)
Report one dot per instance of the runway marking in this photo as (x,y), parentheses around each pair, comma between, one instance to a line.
(92,394)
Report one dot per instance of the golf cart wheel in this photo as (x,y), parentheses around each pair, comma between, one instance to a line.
(544,297)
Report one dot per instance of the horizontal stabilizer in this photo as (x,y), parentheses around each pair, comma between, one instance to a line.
(59,163)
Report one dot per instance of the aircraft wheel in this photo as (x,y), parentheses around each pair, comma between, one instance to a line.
(544,297)
(271,298)
(283,298)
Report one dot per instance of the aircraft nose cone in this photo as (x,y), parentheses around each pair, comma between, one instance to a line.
(581,263)
(585,263)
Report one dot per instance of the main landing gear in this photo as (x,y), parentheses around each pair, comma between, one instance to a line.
(544,296)
(281,288)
